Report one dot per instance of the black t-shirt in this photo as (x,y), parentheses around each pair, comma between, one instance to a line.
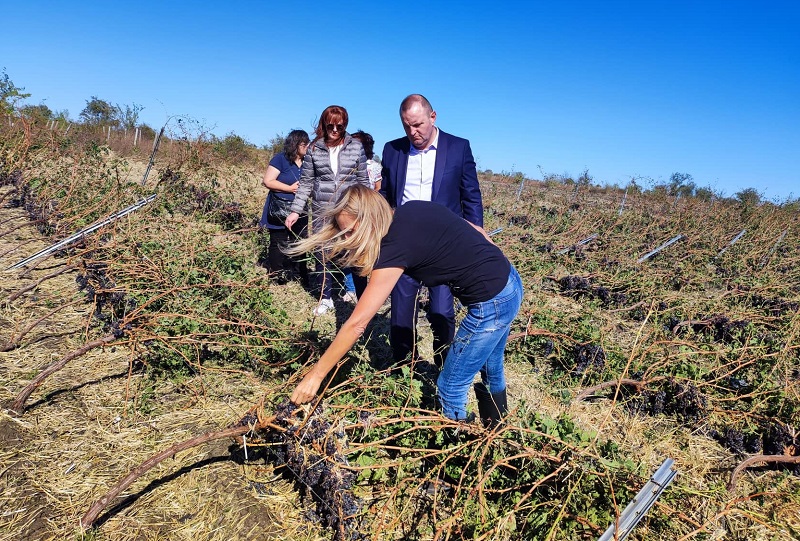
(434,246)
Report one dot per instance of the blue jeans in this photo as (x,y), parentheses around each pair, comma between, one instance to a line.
(479,346)
(349,285)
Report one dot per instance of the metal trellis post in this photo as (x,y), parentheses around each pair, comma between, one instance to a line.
(640,504)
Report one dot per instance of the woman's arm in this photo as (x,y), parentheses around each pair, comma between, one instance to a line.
(306,183)
(380,286)
(271,182)
(482,231)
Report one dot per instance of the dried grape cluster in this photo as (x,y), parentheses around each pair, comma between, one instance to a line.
(194,198)
(684,400)
(588,358)
(578,286)
(737,441)
(312,449)
(774,306)
(520,220)
(110,304)
(24,197)
(718,327)
(773,439)
(9,178)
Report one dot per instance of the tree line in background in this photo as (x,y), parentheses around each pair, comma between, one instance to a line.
(100,113)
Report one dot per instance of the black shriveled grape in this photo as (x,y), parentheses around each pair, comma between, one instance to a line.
(683,400)
(657,402)
(733,440)
(588,358)
(574,285)
(777,439)
(309,449)
(752,443)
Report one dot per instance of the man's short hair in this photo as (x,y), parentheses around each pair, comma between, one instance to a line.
(413,99)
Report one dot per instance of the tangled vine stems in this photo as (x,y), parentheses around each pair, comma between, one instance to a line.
(758,459)
(14,296)
(589,391)
(18,404)
(97,507)
(14,341)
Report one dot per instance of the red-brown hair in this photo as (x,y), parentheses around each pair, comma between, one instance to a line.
(333,114)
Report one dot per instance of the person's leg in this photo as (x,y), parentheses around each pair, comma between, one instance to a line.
(507,304)
(478,346)
(298,263)
(403,317)
(323,277)
(278,239)
(442,318)
(349,286)
(350,294)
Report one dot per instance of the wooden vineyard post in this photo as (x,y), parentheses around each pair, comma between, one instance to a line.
(156,141)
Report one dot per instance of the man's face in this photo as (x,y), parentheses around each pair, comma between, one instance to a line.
(419,126)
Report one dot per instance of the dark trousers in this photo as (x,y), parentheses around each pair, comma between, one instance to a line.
(441,316)
(285,267)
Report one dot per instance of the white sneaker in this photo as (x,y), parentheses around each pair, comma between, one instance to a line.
(323,306)
(350,297)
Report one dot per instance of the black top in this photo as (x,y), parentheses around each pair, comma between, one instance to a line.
(434,246)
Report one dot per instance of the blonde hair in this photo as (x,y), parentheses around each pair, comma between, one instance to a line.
(373,216)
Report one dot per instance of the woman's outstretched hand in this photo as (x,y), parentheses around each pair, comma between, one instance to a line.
(307,389)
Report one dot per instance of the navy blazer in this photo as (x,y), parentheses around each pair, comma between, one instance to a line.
(455,178)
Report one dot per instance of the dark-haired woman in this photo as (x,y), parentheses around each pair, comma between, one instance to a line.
(282,179)
(373,165)
(434,246)
(333,162)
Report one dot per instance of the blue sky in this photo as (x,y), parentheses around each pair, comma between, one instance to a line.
(625,90)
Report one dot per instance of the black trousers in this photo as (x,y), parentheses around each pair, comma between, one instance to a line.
(284,266)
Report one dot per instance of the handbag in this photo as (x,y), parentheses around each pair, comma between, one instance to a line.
(278,210)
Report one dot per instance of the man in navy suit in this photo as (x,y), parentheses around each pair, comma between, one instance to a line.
(430,165)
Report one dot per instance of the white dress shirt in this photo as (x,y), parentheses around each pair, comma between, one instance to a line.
(419,174)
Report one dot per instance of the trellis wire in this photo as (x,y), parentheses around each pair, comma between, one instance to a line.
(648,255)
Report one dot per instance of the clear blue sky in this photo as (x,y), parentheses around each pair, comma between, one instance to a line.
(624,89)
